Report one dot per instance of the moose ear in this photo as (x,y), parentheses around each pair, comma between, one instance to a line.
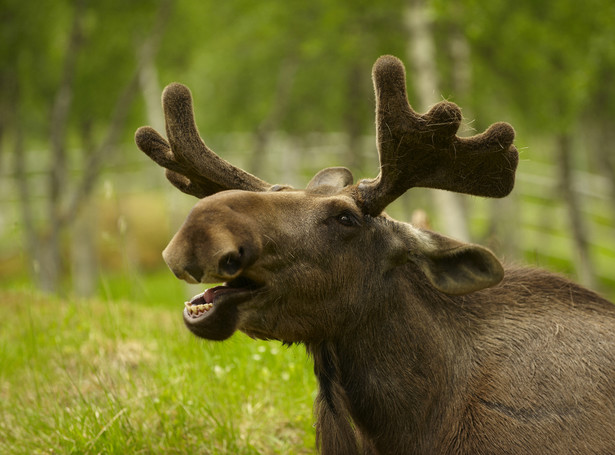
(457,268)
(337,177)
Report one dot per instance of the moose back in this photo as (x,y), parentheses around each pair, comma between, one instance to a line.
(421,344)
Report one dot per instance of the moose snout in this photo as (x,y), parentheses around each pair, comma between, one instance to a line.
(182,267)
(218,259)
(216,243)
(230,264)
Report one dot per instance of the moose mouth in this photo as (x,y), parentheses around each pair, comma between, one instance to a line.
(213,314)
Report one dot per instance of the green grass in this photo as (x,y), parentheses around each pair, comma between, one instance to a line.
(117,377)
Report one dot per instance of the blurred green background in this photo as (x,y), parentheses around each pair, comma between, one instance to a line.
(283,89)
(93,354)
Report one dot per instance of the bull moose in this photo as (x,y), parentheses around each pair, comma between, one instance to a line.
(421,344)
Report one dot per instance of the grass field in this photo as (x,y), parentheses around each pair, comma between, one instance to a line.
(117,377)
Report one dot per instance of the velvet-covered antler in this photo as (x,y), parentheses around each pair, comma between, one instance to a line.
(424,151)
(190,165)
(415,150)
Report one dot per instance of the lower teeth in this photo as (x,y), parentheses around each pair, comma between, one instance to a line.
(196,310)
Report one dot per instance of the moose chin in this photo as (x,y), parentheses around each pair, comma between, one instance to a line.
(421,344)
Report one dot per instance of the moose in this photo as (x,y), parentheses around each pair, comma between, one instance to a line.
(421,344)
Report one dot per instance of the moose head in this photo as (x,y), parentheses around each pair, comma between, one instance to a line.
(300,265)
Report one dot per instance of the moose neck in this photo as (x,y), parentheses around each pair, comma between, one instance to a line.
(394,372)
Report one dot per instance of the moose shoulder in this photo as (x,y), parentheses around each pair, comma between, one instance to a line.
(421,344)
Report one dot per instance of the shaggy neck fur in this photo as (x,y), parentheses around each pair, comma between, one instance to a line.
(496,371)
(405,346)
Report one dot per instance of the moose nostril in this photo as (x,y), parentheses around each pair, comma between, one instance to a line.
(231,263)
(195,272)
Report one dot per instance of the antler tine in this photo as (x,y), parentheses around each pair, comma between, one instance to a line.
(190,165)
(424,151)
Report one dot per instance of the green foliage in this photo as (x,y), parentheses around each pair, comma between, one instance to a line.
(301,68)
(233,53)
(544,56)
(542,60)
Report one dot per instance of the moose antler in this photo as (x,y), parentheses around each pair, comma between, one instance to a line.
(415,150)
(190,165)
(423,150)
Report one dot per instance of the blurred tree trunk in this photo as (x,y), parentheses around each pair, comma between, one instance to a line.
(31,242)
(150,85)
(98,154)
(79,209)
(6,110)
(271,123)
(353,118)
(604,148)
(502,235)
(584,264)
(84,259)
(460,59)
(64,206)
(51,260)
(599,125)
(422,53)
(11,121)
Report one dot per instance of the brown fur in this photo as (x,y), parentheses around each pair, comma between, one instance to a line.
(525,367)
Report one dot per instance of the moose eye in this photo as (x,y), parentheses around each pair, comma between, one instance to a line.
(346,219)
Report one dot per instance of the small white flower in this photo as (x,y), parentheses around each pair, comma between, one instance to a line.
(218,371)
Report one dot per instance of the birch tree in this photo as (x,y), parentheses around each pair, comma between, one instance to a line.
(84,102)
(422,57)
